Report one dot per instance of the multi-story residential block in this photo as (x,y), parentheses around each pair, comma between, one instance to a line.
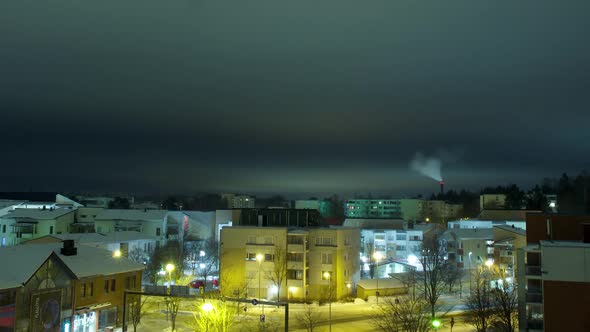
(553,273)
(468,248)
(478,223)
(243,202)
(24,224)
(55,288)
(507,241)
(253,259)
(373,208)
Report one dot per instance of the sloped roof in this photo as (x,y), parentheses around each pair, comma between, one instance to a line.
(24,260)
(469,233)
(132,215)
(516,230)
(46,214)
(384,283)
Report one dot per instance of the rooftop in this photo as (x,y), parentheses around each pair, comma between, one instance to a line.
(38,213)
(98,238)
(24,260)
(512,229)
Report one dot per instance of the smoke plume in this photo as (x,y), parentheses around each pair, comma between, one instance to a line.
(427,166)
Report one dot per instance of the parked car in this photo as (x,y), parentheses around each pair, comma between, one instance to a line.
(197,284)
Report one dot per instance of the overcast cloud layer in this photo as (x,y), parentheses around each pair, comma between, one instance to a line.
(299,96)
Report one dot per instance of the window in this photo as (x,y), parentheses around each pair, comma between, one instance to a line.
(401,248)
(106,286)
(295,257)
(324,241)
(251,240)
(268,240)
(269,257)
(294,239)
(158,231)
(326,258)
(250,256)
(400,237)
(91,289)
(3,228)
(295,274)
(113,285)
(83,290)
(50,229)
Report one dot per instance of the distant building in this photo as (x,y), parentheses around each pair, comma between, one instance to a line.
(407,209)
(492,201)
(242,202)
(79,288)
(478,223)
(312,257)
(554,273)
(373,208)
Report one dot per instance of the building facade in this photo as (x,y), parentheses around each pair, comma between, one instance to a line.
(307,263)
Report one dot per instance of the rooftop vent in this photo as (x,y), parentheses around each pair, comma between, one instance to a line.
(69,248)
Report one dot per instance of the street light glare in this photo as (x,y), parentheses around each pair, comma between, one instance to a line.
(327,275)
(207,307)
(489,262)
(169,267)
(377,255)
(259,257)
(117,253)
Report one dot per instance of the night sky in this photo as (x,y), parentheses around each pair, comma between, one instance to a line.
(295,97)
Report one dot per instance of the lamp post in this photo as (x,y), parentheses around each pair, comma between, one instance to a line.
(378,256)
(259,259)
(328,276)
(169,269)
(470,270)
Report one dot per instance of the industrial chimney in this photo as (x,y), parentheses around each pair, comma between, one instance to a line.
(442,187)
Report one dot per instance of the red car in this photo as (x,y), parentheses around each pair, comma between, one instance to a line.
(197,283)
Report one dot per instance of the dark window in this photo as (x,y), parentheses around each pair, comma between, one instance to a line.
(3,228)
(106,286)
(83,290)
(113,285)
(157,231)
(91,290)
(50,229)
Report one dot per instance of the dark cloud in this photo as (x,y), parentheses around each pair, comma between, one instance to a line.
(300,97)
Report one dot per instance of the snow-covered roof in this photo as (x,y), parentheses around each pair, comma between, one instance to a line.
(131,215)
(22,261)
(383,283)
(469,233)
(513,229)
(46,214)
(98,238)
(364,223)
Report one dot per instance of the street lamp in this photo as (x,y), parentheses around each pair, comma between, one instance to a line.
(207,308)
(378,256)
(470,271)
(259,259)
(117,253)
(169,269)
(329,277)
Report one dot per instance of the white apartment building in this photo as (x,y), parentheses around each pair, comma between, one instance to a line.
(149,222)
(20,225)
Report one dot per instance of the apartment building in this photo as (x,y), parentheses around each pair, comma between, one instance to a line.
(507,241)
(149,222)
(52,287)
(554,273)
(468,248)
(21,225)
(289,263)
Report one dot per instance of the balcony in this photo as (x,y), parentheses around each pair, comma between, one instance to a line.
(535,297)
(296,247)
(533,270)
(460,251)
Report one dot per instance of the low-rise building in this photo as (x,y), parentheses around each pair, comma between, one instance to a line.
(21,225)
(306,262)
(149,222)
(507,241)
(50,287)
(468,248)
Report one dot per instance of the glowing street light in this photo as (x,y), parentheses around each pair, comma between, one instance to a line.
(436,324)
(117,253)
(207,307)
(489,263)
(169,268)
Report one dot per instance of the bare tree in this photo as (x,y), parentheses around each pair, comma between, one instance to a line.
(402,314)
(203,257)
(480,312)
(173,304)
(278,274)
(452,276)
(505,301)
(136,304)
(432,278)
(235,287)
(310,318)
